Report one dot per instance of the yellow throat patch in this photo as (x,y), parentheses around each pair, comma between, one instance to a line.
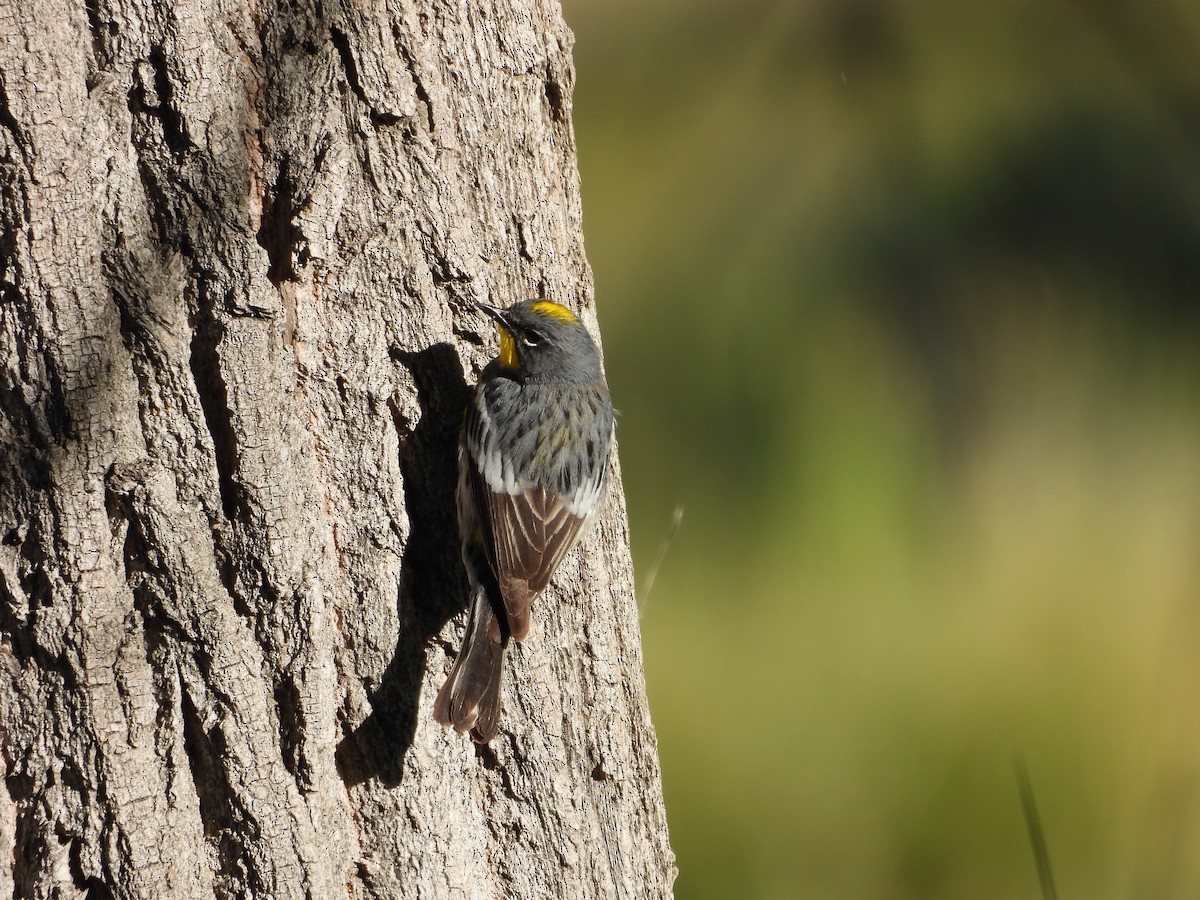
(508,348)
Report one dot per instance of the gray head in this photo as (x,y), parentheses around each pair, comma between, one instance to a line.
(543,341)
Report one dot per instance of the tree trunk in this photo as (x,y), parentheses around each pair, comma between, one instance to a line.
(240,249)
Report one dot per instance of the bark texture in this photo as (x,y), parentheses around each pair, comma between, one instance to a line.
(240,245)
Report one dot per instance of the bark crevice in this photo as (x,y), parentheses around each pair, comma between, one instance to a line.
(221,827)
(205,362)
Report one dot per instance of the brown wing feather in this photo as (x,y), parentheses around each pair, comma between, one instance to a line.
(528,535)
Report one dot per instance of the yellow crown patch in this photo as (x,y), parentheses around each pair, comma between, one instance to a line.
(555,311)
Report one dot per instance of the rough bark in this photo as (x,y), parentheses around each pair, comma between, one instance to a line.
(240,248)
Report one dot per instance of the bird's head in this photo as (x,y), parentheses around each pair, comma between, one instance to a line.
(544,341)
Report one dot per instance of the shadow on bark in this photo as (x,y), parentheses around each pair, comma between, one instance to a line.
(433,585)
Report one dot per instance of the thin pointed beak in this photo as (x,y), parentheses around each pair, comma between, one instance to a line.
(495,312)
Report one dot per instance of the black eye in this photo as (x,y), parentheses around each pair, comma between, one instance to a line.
(531,338)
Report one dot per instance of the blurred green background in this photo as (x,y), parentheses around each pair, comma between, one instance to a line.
(901,306)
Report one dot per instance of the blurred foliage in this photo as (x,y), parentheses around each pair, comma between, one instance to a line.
(900,305)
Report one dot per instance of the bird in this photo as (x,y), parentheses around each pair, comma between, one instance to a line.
(533,459)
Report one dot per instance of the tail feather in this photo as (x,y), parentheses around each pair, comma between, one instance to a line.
(470,698)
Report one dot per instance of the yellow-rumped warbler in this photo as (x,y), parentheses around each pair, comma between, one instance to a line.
(532,469)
